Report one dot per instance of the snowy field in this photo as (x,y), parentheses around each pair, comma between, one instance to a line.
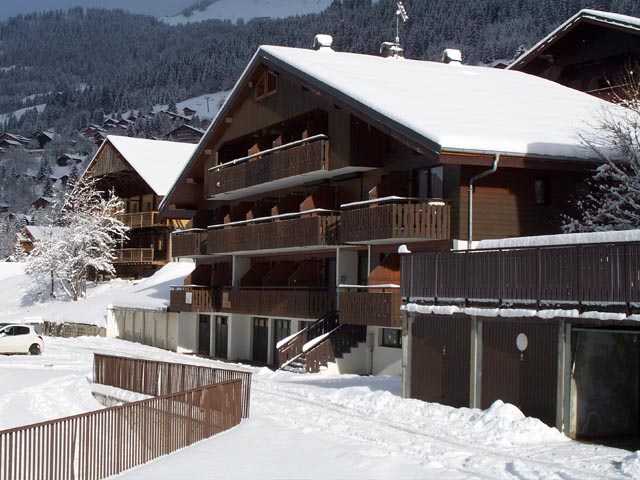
(313,426)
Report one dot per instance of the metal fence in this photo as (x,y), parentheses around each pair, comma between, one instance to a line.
(574,274)
(154,378)
(106,442)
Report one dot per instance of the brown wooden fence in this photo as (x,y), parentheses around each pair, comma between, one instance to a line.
(606,274)
(154,378)
(99,444)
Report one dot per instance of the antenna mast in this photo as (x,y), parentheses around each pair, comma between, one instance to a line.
(401,12)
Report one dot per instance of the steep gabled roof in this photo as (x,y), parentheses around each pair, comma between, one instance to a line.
(442,107)
(157,162)
(596,17)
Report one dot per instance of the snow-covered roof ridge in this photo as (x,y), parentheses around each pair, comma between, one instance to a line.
(561,239)
(158,162)
(461,108)
(615,19)
(442,107)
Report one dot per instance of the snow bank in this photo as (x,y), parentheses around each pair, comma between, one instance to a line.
(563,239)
(150,293)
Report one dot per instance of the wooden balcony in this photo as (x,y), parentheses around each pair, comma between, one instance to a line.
(395,220)
(272,165)
(135,256)
(140,220)
(194,298)
(189,243)
(279,302)
(299,230)
(573,275)
(371,305)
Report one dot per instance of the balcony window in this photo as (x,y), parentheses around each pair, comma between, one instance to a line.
(266,85)
(391,337)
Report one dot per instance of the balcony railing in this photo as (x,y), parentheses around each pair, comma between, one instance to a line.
(397,219)
(317,228)
(194,298)
(140,220)
(189,243)
(135,255)
(601,274)
(279,302)
(268,166)
(377,305)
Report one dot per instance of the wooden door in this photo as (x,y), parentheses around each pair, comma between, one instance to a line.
(222,336)
(260,339)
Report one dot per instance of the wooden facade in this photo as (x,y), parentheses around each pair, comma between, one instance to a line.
(590,53)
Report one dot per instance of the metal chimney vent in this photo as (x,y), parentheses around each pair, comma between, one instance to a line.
(322,42)
(451,55)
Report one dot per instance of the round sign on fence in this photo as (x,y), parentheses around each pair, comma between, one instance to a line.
(522,342)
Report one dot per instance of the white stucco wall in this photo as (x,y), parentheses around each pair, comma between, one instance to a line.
(187,333)
(239,337)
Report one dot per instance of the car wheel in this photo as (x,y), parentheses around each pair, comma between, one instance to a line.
(34,349)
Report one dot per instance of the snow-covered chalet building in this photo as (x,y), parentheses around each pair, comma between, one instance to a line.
(321,165)
(141,172)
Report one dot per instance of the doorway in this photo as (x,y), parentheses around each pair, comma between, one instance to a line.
(204,334)
(281,330)
(260,339)
(222,336)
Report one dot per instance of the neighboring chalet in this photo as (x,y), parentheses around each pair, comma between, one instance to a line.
(317,170)
(29,236)
(68,159)
(184,133)
(141,172)
(592,52)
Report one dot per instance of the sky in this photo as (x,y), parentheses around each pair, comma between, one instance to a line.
(152,7)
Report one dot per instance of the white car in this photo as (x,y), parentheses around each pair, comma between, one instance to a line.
(20,339)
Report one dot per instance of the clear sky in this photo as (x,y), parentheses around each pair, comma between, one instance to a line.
(10,8)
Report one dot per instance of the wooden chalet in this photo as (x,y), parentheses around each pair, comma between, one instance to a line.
(593,52)
(322,166)
(184,133)
(140,172)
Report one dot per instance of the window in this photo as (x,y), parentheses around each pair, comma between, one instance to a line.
(391,337)
(429,182)
(266,85)
(541,187)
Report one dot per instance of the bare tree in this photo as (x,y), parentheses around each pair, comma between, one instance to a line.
(613,201)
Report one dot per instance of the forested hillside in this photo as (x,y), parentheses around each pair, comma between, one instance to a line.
(82,63)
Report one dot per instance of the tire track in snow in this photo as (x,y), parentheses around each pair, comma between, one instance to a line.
(452,454)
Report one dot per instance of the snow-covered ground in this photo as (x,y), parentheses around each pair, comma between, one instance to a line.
(17,303)
(4,117)
(312,426)
(205,106)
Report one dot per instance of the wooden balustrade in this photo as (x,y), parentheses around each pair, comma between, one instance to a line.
(140,219)
(134,255)
(280,164)
(376,308)
(189,243)
(429,221)
(605,274)
(316,230)
(195,298)
(279,302)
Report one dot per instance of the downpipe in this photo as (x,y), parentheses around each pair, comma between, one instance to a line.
(472,180)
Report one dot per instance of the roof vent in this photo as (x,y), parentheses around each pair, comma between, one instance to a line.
(451,55)
(322,42)
(391,49)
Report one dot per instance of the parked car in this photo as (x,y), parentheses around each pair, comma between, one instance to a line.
(20,339)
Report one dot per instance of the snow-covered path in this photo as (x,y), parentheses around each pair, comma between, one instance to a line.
(321,426)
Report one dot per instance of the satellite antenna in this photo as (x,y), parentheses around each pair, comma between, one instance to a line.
(401,12)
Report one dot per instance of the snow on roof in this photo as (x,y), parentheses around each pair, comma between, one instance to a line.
(158,162)
(36,232)
(563,239)
(618,20)
(448,107)
(456,107)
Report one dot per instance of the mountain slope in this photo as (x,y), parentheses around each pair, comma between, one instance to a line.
(234,10)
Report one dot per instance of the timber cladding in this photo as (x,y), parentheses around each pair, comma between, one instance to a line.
(440,359)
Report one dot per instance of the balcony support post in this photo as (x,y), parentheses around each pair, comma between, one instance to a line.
(407,338)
